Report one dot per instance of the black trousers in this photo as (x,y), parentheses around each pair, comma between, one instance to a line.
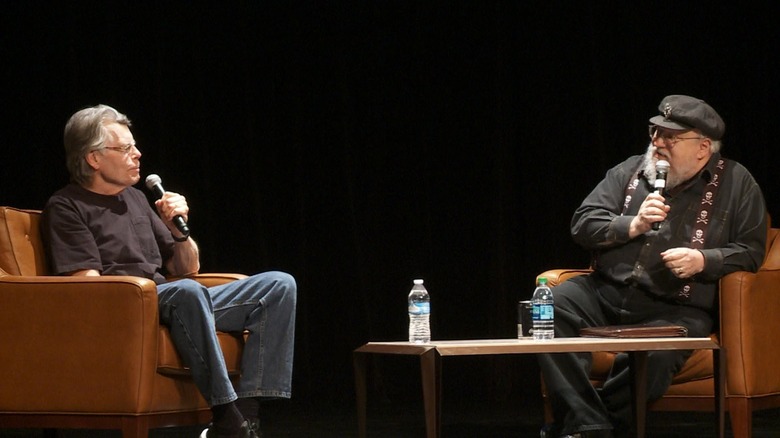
(590,301)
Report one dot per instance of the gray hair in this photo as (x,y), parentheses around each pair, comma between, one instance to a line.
(715,146)
(86,132)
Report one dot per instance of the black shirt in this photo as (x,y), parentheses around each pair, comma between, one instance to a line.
(116,235)
(736,238)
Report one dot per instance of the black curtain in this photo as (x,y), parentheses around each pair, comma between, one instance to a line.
(360,145)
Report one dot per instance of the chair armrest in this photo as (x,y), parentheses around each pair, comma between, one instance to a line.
(212,279)
(71,343)
(557,276)
(750,331)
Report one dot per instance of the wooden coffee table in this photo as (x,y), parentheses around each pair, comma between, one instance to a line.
(430,365)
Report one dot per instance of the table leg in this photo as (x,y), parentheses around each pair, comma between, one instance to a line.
(430,368)
(359,362)
(638,371)
(719,368)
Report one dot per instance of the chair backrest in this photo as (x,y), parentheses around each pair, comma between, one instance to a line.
(21,248)
(772,256)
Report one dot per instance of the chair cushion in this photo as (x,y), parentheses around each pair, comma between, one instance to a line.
(697,367)
(169,361)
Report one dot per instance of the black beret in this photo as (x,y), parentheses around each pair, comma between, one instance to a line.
(685,113)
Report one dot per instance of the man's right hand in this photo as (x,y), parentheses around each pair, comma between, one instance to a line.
(86,273)
(652,210)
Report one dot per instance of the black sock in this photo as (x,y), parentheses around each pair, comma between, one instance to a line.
(227,418)
(249,407)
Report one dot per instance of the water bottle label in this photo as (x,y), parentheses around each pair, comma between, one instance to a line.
(420,308)
(543,311)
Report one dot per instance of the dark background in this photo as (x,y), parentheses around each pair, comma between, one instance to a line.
(360,145)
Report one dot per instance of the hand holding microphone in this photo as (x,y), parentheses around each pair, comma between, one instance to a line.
(154,183)
(661,169)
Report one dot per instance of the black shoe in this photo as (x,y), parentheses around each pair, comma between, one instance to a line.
(604,433)
(245,431)
(254,426)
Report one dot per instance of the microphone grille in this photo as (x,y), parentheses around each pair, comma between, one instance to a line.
(153,179)
(660,166)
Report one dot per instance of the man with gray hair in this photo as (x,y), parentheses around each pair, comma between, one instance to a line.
(99,224)
(711,220)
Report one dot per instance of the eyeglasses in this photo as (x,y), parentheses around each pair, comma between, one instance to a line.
(668,138)
(126,149)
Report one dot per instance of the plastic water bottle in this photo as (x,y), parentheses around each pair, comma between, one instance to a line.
(419,314)
(544,312)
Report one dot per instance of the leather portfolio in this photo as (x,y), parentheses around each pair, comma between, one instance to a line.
(635,331)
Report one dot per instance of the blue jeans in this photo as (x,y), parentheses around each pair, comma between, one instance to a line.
(263,304)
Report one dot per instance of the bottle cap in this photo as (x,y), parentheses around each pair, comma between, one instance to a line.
(418,281)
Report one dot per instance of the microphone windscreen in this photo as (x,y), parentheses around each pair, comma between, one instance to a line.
(153,179)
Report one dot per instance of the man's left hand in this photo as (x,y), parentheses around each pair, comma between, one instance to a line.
(171,205)
(683,262)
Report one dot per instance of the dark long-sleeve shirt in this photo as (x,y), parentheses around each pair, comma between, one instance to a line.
(736,237)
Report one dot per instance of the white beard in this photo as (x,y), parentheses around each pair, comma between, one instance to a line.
(648,164)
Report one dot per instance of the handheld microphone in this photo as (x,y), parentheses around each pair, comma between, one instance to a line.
(154,183)
(661,170)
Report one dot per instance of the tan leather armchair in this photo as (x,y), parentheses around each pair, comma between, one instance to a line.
(89,352)
(749,333)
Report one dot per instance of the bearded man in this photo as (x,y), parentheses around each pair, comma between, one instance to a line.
(710,221)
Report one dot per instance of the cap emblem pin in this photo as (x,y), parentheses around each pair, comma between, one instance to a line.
(667,111)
